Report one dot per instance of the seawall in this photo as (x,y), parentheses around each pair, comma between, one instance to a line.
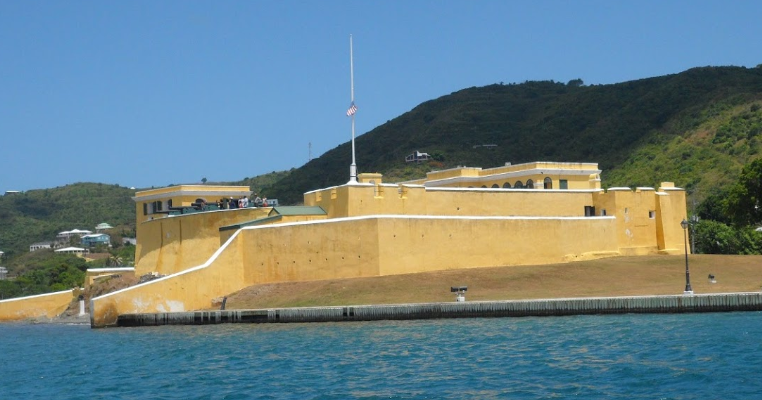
(48,305)
(751,301)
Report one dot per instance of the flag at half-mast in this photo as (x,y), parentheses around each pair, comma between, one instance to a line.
(352,110)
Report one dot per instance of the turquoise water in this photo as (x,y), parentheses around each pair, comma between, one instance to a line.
(688,356)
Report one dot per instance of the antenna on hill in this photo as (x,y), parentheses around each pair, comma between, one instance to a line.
(310,151)
(351,112)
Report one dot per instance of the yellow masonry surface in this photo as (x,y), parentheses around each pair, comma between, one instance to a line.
(524,214)
(45,305)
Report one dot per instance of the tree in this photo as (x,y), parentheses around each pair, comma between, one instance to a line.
(203,180)
(714,237)
(744,202)
(9,289)
(114,260)
(714,207)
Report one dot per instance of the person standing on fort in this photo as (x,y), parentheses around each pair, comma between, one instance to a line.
(257,201)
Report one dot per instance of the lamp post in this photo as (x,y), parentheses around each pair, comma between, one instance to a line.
(688,290)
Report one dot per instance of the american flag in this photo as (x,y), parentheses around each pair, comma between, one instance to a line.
(352,110)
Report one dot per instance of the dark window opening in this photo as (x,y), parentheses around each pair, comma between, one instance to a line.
(547,183)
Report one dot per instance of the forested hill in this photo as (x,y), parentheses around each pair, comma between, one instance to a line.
(679,127)
(38,215)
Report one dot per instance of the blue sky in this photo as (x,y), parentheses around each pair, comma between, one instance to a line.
(147,93)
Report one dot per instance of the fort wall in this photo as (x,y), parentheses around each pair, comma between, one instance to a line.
(47,305)
(171,244)
(361,247)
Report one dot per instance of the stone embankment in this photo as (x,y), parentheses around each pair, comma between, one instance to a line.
(725,302)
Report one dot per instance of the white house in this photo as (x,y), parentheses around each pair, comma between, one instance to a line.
(40,245)
(102,227)
(73,250)
(65,236)
(417,156)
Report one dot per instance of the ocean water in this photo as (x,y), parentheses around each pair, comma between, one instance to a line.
(686,356)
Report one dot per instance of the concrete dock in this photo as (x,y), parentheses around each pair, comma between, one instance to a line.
(751,301)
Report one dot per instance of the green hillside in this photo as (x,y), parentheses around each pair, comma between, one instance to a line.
(696,128)
(38,215)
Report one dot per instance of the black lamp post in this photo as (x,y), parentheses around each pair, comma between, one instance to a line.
(688,289)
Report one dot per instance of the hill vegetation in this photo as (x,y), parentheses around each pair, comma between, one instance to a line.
(38,215)
(697,128)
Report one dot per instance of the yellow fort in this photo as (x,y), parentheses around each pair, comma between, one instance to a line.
(533,213)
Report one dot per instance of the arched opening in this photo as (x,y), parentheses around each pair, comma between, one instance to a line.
(484,186)
(530,184)
(547,183)
(518,185)
(199,204)
(506,185)
(495,186)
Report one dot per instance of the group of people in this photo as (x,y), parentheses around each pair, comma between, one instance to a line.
(243,202)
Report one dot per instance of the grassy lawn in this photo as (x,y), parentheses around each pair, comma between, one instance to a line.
(618,276)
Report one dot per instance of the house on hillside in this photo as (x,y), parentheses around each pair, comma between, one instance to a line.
(96,239)
(40,245)
(65,237)
(77,251)
(417,157)
(102,227)
(3,273)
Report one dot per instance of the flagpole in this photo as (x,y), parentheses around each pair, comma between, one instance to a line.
(353,167)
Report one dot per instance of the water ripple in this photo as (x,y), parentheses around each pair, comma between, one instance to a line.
(591,357)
